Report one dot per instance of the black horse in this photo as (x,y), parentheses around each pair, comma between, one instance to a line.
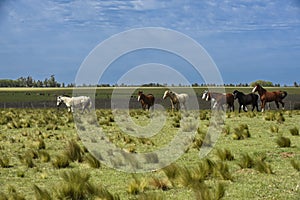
(245,100)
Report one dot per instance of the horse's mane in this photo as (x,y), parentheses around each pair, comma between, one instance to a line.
(263,89)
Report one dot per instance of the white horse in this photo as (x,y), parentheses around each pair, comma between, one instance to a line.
(82,102)
(177,99)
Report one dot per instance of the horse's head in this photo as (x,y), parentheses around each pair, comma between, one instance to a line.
(205,95)
(235,93)
(166,94)
(59,100)
(256,88)
(139,95)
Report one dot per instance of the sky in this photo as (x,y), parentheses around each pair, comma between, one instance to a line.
(247,40)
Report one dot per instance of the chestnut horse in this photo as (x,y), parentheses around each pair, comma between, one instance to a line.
(266,96)
(146,100)
(219,99)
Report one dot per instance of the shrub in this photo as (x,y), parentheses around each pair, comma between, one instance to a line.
(283,141)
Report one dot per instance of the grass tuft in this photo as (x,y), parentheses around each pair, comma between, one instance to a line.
(92,161)
(74,151)
(294,131)
(295,164)
(224,154)
(41,194)
(60,161)
(246,161)
(283,141)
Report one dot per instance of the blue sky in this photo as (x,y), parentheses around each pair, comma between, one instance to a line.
(247,39)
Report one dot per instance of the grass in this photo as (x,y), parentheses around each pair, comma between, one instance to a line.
(40,162)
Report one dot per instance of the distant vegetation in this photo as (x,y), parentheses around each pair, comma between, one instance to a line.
(52,82)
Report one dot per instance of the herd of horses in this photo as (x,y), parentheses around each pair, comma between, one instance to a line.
(179,101)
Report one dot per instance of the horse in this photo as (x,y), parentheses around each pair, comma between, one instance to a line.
(82,102)
(178,100)
(266,96)
(246,99)
(146,100)
(219,99)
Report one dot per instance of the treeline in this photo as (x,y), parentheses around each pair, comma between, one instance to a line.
(30,82)
(52,82)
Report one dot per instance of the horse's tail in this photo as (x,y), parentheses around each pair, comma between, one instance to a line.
(283,94)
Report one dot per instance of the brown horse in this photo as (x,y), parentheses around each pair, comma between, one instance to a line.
(266,96)
(146,100)
(219,99)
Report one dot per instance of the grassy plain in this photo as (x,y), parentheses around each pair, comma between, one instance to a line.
(40,158)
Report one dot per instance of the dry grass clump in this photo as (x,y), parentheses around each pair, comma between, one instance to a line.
(4,162)
(74,151)
(274,129)
(241,132)
(296,164)
(75,185)
(283,141)
(92,161)
(60,161)
(137,185)
(294,131)
(257,163)
(224,154)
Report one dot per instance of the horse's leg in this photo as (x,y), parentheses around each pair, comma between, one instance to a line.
(240,107)
(245,108)
(263,106)
(282,103)
(277,104)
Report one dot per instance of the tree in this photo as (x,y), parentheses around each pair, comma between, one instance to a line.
(296,84)
(262,83)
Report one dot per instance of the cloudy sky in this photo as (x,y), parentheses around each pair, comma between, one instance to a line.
(247,39)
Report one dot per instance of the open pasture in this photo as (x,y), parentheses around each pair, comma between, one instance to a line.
(257,156)
(46,97)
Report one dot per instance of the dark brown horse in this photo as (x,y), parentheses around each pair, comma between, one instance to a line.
(246,99)
(146,100)
(266,96)
(219,99)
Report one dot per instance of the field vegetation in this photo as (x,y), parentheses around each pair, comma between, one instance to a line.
(256,157)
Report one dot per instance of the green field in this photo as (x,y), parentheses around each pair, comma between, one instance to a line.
(42,157)
(46,97)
